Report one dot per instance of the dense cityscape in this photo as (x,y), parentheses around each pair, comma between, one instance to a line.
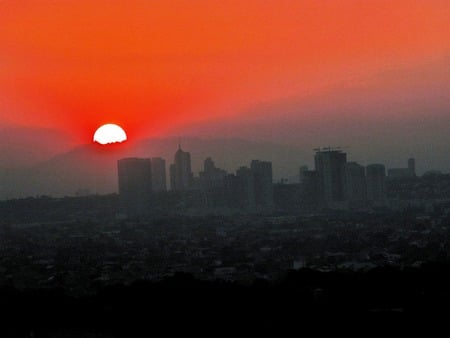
(208,168)
(334,184)
(238,229)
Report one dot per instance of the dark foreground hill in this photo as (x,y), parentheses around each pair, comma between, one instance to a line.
(410,299)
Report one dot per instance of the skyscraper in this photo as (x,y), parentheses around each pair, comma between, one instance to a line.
(376,189)
(180,171)
(211,177)
(263,183)
(245,191)
(355,185)
(135,184)
(309,190)
(330,167)
(240,189)
(211,182)
(403,173)
(158,174)
(208,165)
(412,167)
(301,176)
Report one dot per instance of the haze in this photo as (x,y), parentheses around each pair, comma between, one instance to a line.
(371,75)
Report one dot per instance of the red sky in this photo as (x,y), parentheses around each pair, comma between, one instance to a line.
(158,67)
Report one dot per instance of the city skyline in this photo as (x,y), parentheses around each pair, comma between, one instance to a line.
(223,166)
(366,74)
(93,168)
(333,184)
(182,159)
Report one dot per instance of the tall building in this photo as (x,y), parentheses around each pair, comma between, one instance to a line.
(309,190)
(355,185)
(180,171)
(135,184)
(211,177)
(376,187)
(211,183)
(240,189)
(159,174)
(412,167)
(208,165)
(263,183)
(330,167)
(400,173)
(287,197)
(301,176)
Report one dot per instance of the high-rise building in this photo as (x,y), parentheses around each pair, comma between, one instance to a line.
(412,167)
(208,165)
(355,185)
(303,169)
(211,183)
(135,184)
(287,197)
(263,183)
(211,177)
(172,174)
(309,190)
(330,167)
(402,173)
(239,190)
(180,171)
(245,192)
(159,174)
(376,188)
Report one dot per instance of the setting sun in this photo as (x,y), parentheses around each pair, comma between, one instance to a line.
(110,133)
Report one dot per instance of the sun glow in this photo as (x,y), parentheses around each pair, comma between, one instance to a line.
(110,133)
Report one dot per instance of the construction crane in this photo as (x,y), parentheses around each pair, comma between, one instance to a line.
(329,148)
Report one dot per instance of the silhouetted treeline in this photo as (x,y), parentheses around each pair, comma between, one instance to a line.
(182,304)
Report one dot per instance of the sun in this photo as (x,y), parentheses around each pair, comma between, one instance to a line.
(110,133)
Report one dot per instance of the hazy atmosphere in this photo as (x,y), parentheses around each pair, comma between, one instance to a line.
(201,166)
(371,76)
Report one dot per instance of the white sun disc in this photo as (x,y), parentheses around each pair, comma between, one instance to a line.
(110,133)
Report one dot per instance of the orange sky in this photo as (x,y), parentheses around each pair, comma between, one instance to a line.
(156,66)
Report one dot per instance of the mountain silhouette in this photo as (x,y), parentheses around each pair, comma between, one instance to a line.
(23,146)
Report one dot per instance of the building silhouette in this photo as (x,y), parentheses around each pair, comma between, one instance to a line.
(263,184)
(240,189)
(211,177)
(159,174)
(181,177)
(250,189)
(286,196)
(330,167)
(355,185)
(211,182)
(301,173)
(135,184)
(309,190)
(245,194)
(412,167)
(399,173)
(376,186)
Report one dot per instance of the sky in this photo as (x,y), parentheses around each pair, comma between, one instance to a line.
(300,72)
